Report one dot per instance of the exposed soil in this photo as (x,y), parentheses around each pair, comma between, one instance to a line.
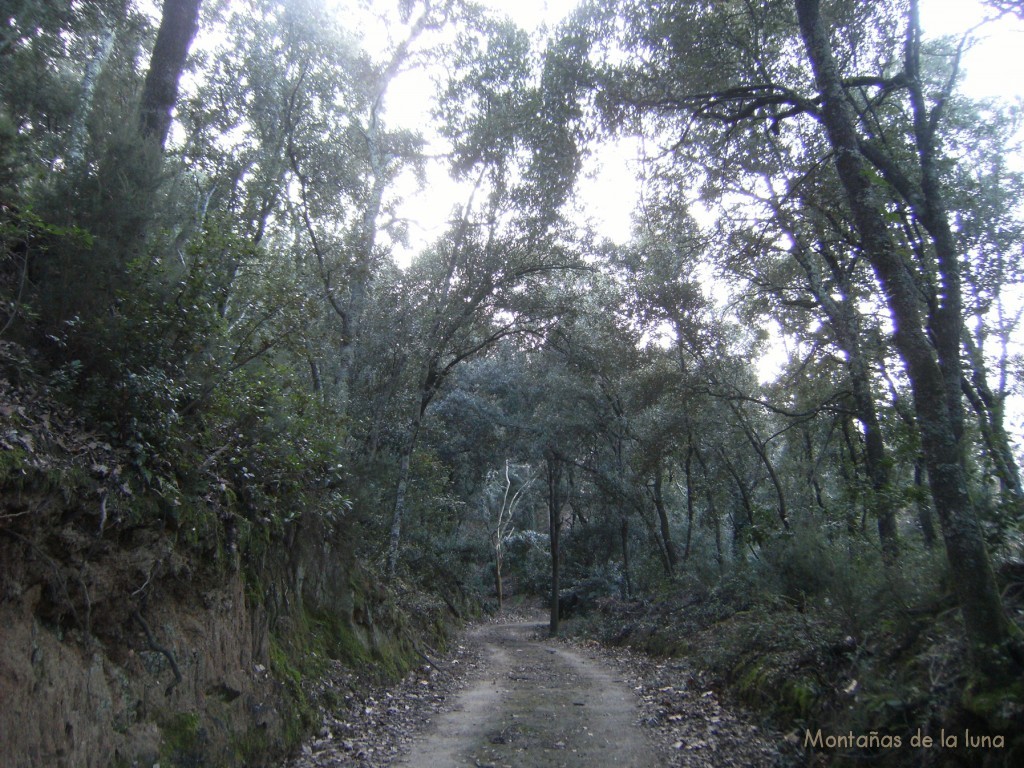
(508,696)
(537,704)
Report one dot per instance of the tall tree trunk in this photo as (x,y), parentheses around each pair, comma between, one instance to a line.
(80,123)
(653,533)
(497,583)
(178,26)
(845,322)
(987,627)
(624,540)
(747,518)
(314,375)
(876,460)
(398,513)
(709,490)
(924,505)
(688,468)
(812,474)
(671,555)
(554,472)
(850,471)
(762,453)
(361,277)
(990,412)
(716,521)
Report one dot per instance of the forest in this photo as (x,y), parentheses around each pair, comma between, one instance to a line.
(250,420)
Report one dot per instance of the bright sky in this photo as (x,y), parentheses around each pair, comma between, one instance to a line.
(995,66)
(609,189)
(606,194)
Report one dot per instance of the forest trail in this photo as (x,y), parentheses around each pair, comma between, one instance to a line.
(507,695)
(537,704)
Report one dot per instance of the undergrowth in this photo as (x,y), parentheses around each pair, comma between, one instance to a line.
(847,647)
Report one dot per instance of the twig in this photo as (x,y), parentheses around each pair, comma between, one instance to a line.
(149,578)
(13,515)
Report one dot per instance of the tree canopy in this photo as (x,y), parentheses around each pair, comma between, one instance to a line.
(199,219)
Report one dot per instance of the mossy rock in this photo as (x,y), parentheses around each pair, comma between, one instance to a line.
(298,714)
(341,641)
(252,746)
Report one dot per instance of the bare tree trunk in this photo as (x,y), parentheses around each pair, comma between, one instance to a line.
(990,412)
(748,505)
(812,475)
(398,514)
(361,277)
(845,321)
(178,26)
(498,585)
(712,508)
(624,540)
(359,280)
(761,450)
(652,533)
(80,124)
(924,506)
(554,471)
(314,375)
(671,555)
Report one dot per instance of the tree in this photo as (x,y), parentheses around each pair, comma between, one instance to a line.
(829,276)
(501,508)
(554,471)
(347,261)
(484,281)
(777,232)
(883,118)
(929,347)
(477,287)
(178,26)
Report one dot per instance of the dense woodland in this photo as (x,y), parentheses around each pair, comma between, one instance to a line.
(200,211)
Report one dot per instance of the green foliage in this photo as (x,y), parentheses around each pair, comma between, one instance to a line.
(28,243)
(12,468)
(529,561)
(181,742)
(229,314)
(300,716)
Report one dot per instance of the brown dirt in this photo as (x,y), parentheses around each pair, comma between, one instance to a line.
(538,704)
(508,696)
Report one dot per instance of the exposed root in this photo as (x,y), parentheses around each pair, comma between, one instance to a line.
(155,646)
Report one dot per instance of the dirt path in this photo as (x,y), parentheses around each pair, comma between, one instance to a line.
(506,695)
(540,705)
